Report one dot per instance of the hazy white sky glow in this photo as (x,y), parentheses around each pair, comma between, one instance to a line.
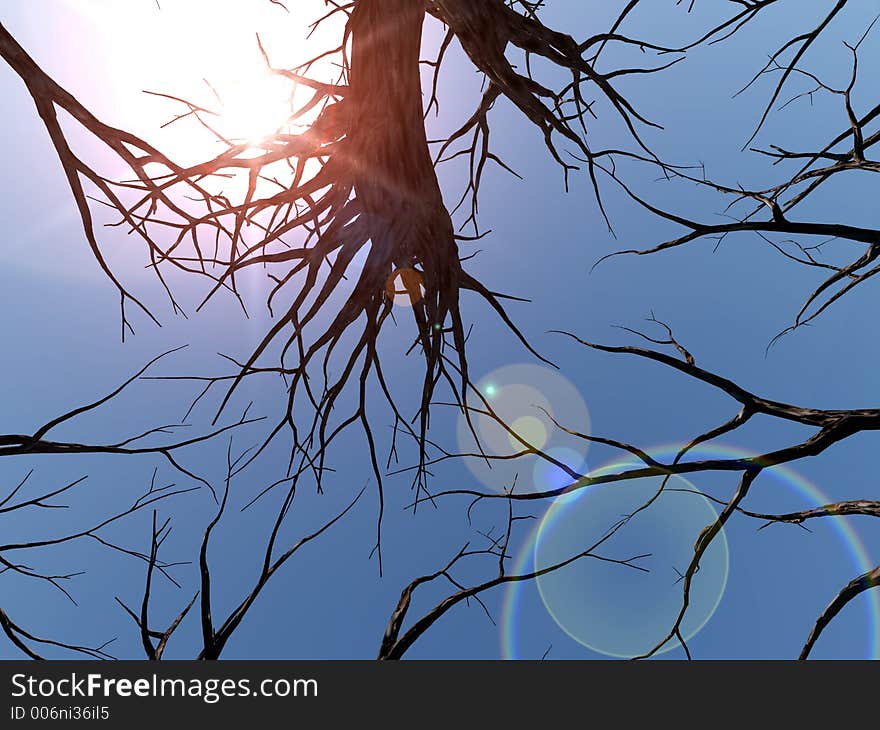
(208,55)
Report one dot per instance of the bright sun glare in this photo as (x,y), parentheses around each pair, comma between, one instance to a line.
(253,107)
(206,52)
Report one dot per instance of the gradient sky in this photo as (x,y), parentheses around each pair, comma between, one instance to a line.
(61,346)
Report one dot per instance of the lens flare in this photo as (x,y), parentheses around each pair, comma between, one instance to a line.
(516,593)
(548,476)
(529,429)
(615,610)
(405,287)
(532,407)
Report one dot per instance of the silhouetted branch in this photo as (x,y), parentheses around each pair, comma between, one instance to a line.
(396,642)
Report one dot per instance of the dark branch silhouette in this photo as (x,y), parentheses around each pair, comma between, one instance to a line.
(356,180)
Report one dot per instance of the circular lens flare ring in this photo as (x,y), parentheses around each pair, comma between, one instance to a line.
(516,592)
(614,609)
(521,409)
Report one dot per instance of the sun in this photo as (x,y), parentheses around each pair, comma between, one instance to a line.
(253,106)
(205,52)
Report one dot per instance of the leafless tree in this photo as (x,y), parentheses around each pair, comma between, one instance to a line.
(361,180)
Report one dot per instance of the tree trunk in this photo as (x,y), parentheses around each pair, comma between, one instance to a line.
(392,168)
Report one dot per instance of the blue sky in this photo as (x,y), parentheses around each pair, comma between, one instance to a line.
(62,348)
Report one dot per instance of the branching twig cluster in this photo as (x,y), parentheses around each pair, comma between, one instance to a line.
(343,203)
